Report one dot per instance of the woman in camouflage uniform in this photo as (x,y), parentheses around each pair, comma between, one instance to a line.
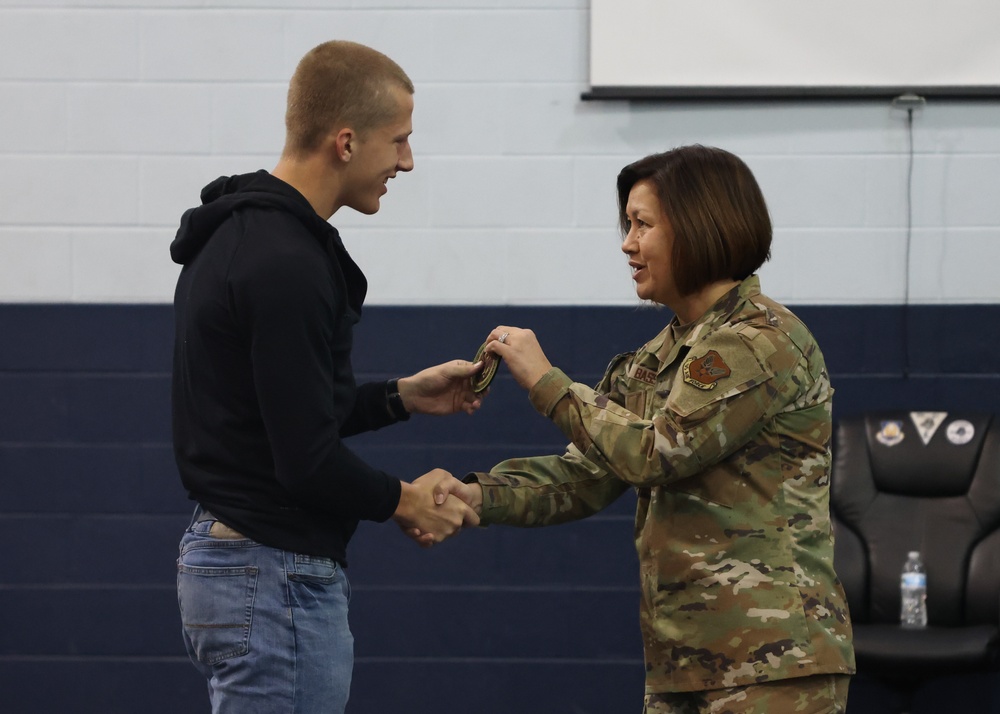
(721,423)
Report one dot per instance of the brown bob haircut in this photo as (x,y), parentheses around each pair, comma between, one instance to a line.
(339,84)
(722,229)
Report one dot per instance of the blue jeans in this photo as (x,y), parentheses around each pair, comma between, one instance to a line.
(266,627)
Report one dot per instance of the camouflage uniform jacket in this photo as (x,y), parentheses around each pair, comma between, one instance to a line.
(723,428)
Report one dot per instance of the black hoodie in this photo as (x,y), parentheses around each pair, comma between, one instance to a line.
(263,388)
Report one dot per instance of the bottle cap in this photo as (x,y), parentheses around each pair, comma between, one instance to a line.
(914,554)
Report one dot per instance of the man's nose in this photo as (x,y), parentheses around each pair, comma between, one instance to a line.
(405,162)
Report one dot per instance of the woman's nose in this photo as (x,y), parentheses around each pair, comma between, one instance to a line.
(629,244)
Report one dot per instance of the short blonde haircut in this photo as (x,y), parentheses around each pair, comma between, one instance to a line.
(340,84)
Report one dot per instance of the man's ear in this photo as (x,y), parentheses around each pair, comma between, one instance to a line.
(344,143)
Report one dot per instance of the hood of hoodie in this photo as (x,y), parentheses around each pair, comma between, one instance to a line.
(228,193)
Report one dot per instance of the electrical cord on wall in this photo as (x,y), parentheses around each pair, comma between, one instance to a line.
(909,103)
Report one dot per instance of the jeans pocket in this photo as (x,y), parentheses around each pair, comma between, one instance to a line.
(314,568)
(314,577)
(216,609)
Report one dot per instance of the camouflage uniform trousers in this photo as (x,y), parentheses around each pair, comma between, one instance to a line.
(817,694)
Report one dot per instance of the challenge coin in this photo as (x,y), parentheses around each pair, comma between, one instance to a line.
(482,379)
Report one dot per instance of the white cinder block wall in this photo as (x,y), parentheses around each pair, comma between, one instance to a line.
(113,114)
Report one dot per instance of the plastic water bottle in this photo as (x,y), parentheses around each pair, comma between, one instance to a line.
(913,592)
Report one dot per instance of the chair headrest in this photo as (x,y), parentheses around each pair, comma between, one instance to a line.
(925,454)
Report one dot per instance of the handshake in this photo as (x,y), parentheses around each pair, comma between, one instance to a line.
(436,506)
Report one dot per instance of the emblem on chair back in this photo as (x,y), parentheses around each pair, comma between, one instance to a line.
(926,481)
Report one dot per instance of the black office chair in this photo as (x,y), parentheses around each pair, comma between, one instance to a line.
(907,481)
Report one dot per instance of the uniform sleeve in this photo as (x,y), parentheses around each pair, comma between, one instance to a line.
(719,398)
(546,490)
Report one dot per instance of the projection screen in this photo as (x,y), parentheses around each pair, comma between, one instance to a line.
(750,48)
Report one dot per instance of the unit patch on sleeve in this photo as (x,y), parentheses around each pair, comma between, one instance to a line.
(705,371)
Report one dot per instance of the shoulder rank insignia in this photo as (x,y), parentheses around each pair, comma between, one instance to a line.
(705,371)
(891,433)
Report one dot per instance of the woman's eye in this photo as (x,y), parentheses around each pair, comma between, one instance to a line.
(636,223)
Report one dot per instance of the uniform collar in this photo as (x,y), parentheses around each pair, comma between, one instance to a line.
(674,336)
(723,309)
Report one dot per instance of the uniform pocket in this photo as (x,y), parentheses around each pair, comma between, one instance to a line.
(635,402)
(719,485)
(217,609)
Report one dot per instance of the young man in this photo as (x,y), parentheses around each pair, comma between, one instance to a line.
(263,393)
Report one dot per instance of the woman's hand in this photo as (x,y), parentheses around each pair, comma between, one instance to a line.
(519,348)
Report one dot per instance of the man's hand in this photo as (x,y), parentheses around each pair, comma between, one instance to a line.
(428,514)
(444,489)
(444,389)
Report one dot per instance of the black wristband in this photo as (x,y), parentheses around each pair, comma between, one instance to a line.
(394,402)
